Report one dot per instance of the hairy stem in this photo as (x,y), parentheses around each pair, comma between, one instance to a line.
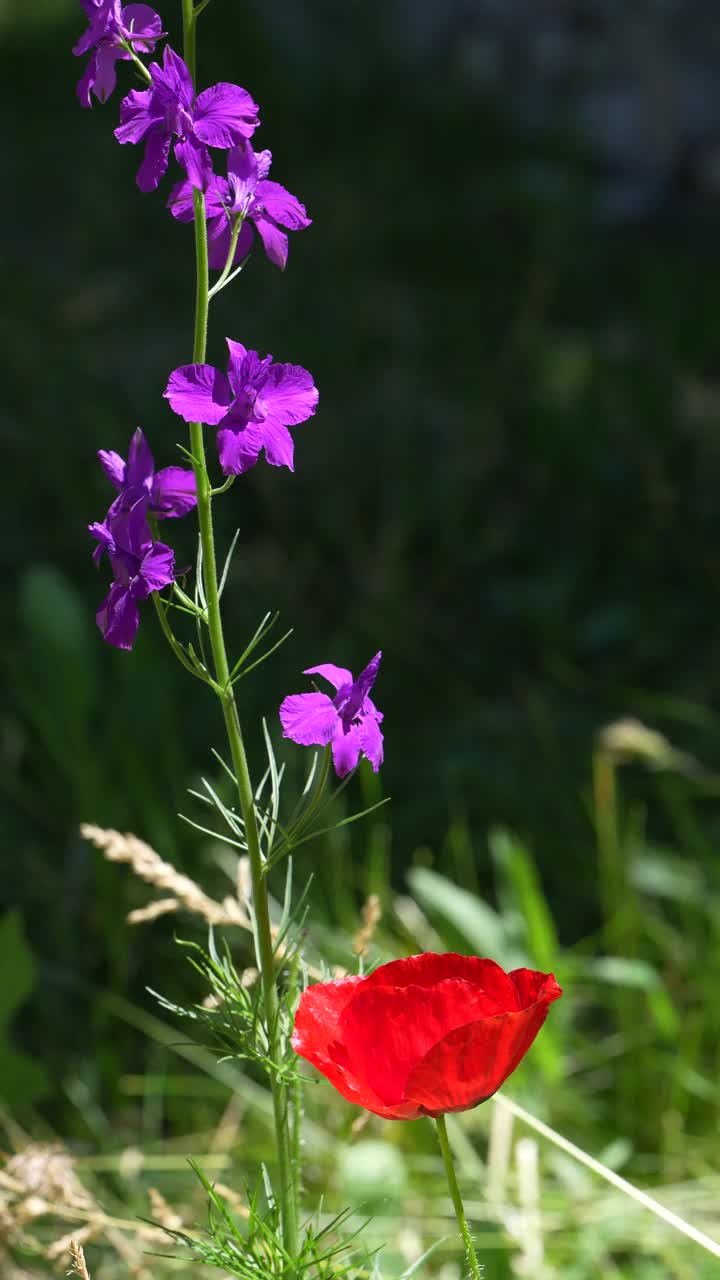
(457,1198)
(266,957)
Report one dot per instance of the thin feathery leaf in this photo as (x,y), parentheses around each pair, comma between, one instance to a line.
(208,831)
(228,558)
(268,622)
(245,671)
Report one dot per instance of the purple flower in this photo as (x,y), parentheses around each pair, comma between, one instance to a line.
(253,406)
(111,23)
(170,492)
(140,566)
(246,193)
(221,116)
(350,720)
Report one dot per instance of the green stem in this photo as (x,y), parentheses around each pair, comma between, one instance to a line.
(457,1198)
(266,957)
(140,65)
(223,277)
(161,611)
(189,18)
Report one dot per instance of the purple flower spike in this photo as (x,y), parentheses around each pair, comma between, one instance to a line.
(140,566)
(170,492)
(350,720)
(111,23)
(221,116)
(253,406)
(247,193)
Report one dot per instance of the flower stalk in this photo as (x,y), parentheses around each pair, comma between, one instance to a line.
(287,1196)
(457,1198)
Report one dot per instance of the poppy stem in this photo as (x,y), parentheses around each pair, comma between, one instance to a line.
(457,1198)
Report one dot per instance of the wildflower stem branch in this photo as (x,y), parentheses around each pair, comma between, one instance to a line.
(457,1198)
(127,46)
(266,959)
(222,279)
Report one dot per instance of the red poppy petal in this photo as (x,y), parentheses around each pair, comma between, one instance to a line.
(317,1021)
(471,1063)
(387,1030)
(317,1038)
(428,969)
(532,986)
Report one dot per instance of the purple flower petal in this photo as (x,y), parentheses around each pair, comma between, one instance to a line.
(118,617)
(104,20)
(137,116)
(155,161)
(290,394)
(263,159)
(351,703)
(140,464)
(104,540)
(199,393)
(274,240)
(281,206)
(174,492)
(85,83)
(246,373)
(113,466)
(182,205)
(279,447)
(369,709)
(173,78)
(131,530)
(88,39)
(242,167)
(362,686)
(371,741)
(224,115)
(143,25)
(105,73)
(219,236)
(195,160)
(156,571)
(346,748)
(238,451)
(337,676)
(241,366)
(309,719)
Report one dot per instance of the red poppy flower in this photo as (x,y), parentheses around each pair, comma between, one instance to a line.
(422,1036)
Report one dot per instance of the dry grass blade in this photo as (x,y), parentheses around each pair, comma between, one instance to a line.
(621,1184)
(77,1259)
(150,867)
(371,915)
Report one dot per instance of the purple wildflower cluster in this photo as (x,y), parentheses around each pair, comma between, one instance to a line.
(256,403)
(139,564)
(114,29)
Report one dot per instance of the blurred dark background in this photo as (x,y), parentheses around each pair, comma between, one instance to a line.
(509,301)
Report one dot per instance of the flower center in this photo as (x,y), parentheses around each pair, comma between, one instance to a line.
(126,566)
(346,704)
(178,120)
(251,406)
